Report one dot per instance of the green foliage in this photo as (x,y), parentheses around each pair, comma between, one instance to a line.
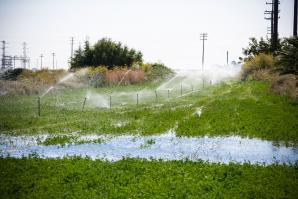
(158,71)
(287,58)
(244,109)
(58,140)
(135,178)
(105,52)
(256,47)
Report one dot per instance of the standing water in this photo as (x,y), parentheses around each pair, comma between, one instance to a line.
(165,146)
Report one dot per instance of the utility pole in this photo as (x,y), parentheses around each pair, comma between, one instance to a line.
(3,54)
(53,60)
(271,18)
(295,18)
(203,37)
(41,56)
(14,62)
(275,31)
(71,49)
(24,54)
(274,22)
(227,57)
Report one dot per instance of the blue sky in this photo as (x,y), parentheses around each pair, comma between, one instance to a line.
(164,30)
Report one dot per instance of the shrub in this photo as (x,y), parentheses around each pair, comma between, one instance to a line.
(256,47)
(259,62)
(124,76)
(285,85)
(287,59)
(159,71)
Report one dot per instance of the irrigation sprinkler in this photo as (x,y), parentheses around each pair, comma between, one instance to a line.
(210,82)
(181,90)
(38,106)
(84,104)
(191,88)
(110,101)
(168,93)
(155,95)
(137,99)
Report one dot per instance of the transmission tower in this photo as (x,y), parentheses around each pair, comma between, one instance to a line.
(24,54)
(203,37)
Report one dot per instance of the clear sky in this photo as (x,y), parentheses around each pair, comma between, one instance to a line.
(164,30)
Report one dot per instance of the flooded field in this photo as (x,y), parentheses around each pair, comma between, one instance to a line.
(165,146)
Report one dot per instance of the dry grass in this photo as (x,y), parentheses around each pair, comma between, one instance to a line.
(124,76)
(29,82)
(285,85)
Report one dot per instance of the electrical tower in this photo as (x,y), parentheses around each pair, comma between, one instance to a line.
(203,37)
(24,55)
(274,22)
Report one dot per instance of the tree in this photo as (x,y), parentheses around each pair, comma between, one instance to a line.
(256,47)
(107,53)
(287,58)
(78,59)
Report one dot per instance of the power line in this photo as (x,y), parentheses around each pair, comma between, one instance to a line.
(203,37)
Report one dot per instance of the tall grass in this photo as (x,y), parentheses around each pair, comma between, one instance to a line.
(260,63)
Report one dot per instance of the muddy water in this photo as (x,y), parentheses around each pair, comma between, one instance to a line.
(165,146)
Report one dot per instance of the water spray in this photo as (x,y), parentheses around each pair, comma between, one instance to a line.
(181,89)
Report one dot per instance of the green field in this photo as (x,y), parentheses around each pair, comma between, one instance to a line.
(245,109)
(234,108)
(134,178)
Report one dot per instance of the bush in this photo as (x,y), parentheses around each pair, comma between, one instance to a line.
(158,72)
(287,59)
(256,47)
(259,62)
(285,85)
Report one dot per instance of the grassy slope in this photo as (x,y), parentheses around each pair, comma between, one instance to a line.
(245,109)
(131,178)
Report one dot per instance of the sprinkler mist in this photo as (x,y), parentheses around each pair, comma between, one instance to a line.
(65,78)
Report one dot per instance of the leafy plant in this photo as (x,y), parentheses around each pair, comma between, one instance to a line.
(105,52)
(287,59)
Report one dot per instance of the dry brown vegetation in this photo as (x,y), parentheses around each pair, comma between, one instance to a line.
(262,67)
(124,76)
(285,85)
(29,82)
